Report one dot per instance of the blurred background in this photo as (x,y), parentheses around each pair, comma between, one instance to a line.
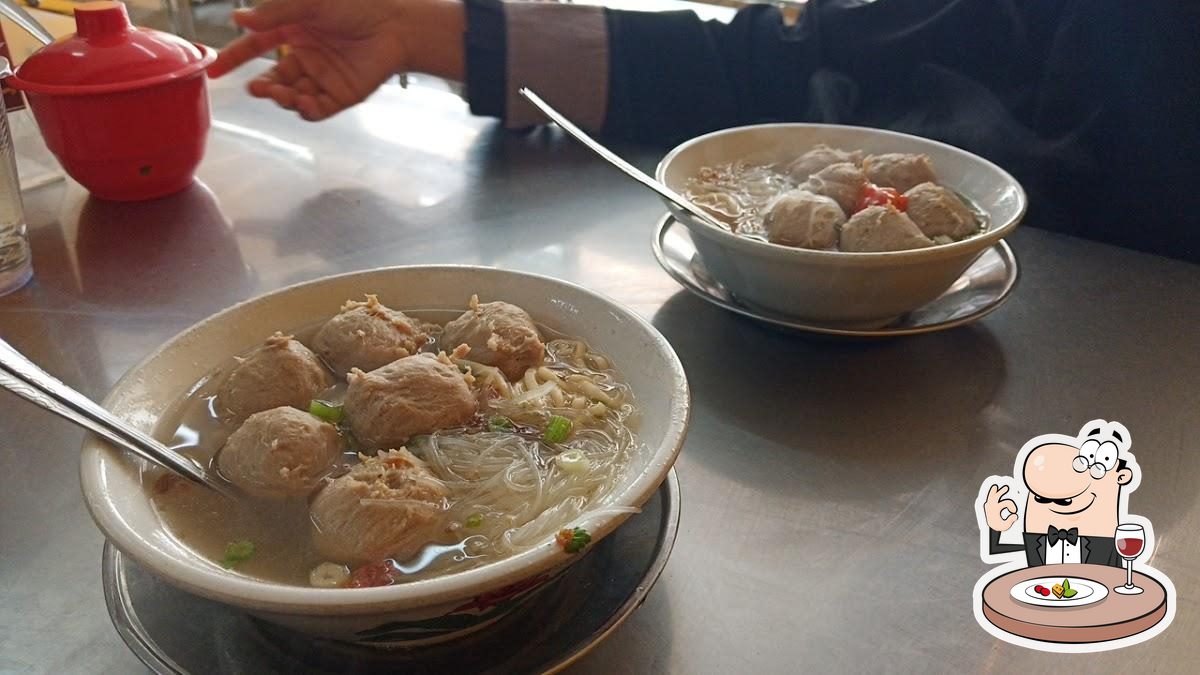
(204,21)
(207,21)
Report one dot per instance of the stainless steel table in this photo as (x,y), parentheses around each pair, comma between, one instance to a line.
(827,485)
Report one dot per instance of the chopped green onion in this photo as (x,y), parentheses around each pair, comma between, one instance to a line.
(573,540)
(325,411)
(475,520)
(558,429)
(573,461)
(237,552)
(499,423)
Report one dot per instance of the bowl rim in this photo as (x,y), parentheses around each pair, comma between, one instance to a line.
(266,596)
(756,246)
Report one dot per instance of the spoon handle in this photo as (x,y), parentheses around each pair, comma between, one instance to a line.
(24,378)
(614,159)
(23,19)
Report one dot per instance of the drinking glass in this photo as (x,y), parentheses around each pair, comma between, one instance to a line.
(1131,540)
(16,266)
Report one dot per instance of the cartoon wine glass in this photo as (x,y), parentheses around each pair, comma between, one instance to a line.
(1131,540)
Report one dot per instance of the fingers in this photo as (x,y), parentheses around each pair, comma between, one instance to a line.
(267,86)
(305,85)
(244,49)
(283,95)
(994,512)
(315,108)
(304,96)
(298,82)
(275,13)
(995,492)
(288,70)
(260,87)
(314,63)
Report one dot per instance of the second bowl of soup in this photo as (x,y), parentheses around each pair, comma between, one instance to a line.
(418,449)
(844,225)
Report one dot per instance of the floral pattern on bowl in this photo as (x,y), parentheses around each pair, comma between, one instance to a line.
(481,611)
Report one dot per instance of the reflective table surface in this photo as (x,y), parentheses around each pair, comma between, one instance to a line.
(828,486)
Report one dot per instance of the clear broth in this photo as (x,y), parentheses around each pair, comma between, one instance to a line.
(281,530)
(738,194)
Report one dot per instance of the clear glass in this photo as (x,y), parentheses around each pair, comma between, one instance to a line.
(1130,540)
(16,264)
(36,166)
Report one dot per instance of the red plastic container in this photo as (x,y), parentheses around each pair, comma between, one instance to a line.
(124,109)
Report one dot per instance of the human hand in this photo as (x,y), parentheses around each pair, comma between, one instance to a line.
(994,506)
(340,51)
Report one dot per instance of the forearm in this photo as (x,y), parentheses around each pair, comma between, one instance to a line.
(434,32)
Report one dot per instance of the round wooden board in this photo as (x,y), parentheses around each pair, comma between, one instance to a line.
(1116,616)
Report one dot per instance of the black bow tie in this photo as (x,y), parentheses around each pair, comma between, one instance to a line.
(1054,534)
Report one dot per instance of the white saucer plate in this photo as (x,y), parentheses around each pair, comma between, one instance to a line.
(985,285)
(1087,592)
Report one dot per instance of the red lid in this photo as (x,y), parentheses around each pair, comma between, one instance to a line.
(108,54)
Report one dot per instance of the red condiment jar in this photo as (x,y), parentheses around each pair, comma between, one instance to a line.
(124,109)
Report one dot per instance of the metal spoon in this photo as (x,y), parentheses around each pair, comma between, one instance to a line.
(25,379)
(23,19)
(631,170)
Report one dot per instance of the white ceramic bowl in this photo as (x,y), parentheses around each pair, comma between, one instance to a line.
(854,289)
(435,608)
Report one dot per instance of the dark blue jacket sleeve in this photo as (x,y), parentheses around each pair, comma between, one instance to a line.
(1091,104)
(484,47)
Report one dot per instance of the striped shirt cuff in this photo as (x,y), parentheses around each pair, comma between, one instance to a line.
(560,52)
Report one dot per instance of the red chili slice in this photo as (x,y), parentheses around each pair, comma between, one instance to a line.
(873,195)
(372,575)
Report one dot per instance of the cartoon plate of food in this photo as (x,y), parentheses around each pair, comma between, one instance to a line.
(1059,591)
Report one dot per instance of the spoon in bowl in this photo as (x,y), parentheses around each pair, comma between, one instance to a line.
(25,379)
(632,171)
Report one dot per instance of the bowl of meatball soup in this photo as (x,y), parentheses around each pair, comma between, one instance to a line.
(414,451)
(844,225)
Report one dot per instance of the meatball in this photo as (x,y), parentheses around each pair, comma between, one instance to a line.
(499,334)
(802,219)
(843,183)
(280,372)
(881,228)
(818,158)
(389,506)
(898,170)
(414,395)
(939,212)
(278,453)
(368,335)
